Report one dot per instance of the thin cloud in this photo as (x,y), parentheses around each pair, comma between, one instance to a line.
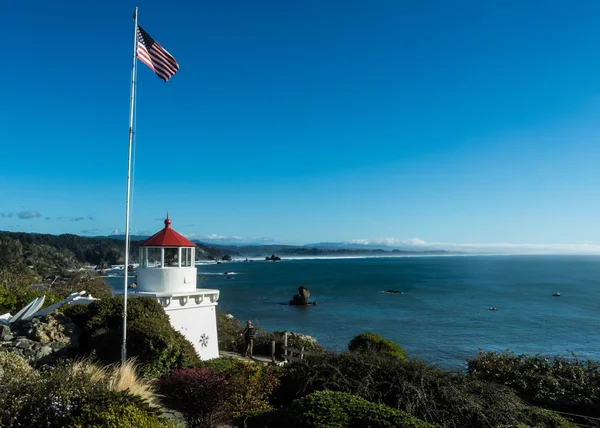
(7,215)
(116,232)
(27,215)
(90,217)
(89,232)
(580,247)
(47,218)
(390,242)
(77,218)
(214,238)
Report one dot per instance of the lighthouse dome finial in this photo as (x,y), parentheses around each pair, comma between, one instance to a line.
(167,221)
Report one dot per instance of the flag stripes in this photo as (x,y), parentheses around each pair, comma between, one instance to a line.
(155,56)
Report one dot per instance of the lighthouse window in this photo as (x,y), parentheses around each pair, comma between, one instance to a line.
(154,257)
(171,257)
(143,258)
(186,257)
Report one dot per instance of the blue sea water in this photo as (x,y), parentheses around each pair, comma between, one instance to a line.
(443,314)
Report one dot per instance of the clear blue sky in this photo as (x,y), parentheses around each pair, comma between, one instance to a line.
(467,122)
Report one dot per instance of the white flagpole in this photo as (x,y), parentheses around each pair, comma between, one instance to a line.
(126,267)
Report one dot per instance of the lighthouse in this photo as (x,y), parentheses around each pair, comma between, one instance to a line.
(167,272)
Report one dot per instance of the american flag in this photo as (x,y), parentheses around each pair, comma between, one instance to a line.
(155,56)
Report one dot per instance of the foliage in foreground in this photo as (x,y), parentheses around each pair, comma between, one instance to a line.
(564,384)
(222,390)
(151,339)
(426,392)
(77,394)
(371,342)
(199,394)
(327,409)
(248,386)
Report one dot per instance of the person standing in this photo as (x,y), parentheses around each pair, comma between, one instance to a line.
(248,339)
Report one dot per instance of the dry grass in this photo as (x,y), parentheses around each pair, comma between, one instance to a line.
(95,372)
(123,377)
(118,378)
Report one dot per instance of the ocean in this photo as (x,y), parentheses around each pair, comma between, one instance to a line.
(442,315)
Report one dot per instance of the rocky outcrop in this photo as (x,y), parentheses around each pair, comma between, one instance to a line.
(40,340)
(297,338)
(273,258)
(302,298)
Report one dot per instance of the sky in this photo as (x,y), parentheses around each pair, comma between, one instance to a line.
(466,124)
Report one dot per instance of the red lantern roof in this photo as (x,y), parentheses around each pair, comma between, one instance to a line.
(167,238)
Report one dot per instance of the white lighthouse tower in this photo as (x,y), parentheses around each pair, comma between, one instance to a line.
(167,272)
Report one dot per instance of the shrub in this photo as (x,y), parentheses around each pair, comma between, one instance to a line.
(15,289)
(427,392)
(222,364)
(58,396)
(568,385)
(336,410)
(118,416)
(248,386)
(228,332)
(199,394)
(151,339)
(14,367)
(249,389)
(371,342)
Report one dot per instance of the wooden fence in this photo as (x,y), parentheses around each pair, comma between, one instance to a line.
(289,353)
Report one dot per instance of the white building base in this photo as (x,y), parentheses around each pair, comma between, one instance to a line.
(193,314)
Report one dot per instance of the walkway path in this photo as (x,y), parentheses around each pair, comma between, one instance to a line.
(261,359)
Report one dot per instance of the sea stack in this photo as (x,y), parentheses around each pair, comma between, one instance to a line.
(302,297)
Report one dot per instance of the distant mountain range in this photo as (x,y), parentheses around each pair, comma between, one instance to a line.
(241,249)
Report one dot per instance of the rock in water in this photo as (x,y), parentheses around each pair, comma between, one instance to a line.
(302,297)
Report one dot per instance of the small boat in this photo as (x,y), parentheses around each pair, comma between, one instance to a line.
(493,308)
(556,294)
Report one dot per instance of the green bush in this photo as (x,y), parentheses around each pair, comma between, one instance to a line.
(371,342)
(329,409)
(151,339)
(228,332)
(118,416)
(248,386)
(222,364)
(424,391)
(568,385)
(61,396)
(14,367)
(15,289)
